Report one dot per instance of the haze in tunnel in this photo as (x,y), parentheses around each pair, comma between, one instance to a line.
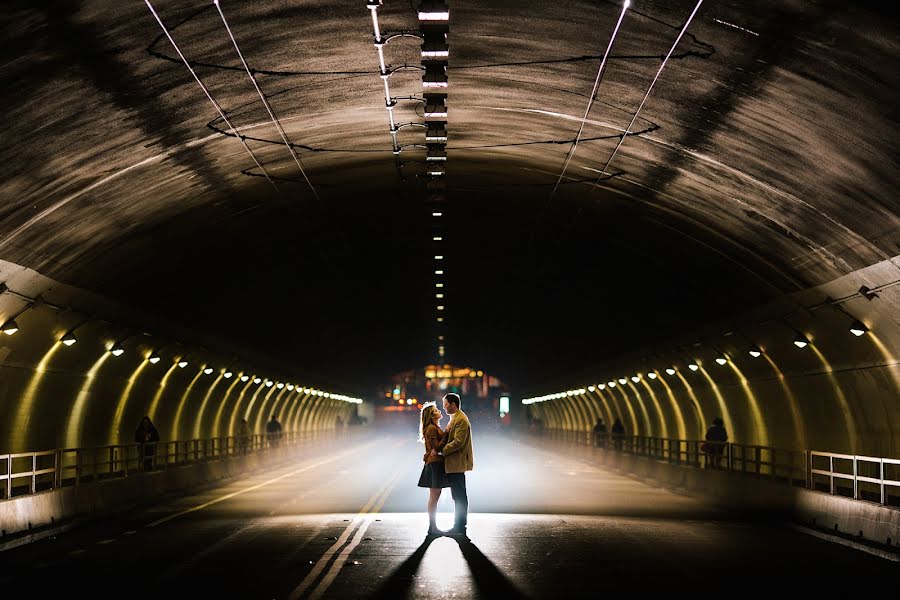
(543,524)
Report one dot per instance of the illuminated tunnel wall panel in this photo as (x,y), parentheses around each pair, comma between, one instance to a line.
(48,401)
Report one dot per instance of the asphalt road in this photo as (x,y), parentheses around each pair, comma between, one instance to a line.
(351,524)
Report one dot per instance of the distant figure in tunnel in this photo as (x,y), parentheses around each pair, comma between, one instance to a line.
(458,458)
(599,434)
(714,447)
(339,424)
(147,436)
(618,434)
(273,432)
(245,434)
(433,475)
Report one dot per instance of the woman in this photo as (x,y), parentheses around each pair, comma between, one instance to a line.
(433,475)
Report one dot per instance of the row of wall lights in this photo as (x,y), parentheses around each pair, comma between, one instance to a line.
(801,341)
(69,339)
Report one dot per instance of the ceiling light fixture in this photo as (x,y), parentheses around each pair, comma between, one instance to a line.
(801,341)
(10,327)
(635,378)
(623,380)
(434,10)
(269,383)
(154,359)
(611,384)
(69,339)
(651,375)
(117,350)
(858,328)
(208,370)
(228,374)
(182,363)
(722,360)
(754,351)
(670,371)
(245,377)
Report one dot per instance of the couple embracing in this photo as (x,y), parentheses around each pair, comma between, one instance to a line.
(448,455)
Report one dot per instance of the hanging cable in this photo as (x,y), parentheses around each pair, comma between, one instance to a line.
(647,95)
(218,108)
(593,97)
(265,102)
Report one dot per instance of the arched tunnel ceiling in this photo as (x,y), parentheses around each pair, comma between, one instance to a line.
(763,162)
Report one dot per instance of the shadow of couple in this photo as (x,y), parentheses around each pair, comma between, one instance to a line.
(488,579)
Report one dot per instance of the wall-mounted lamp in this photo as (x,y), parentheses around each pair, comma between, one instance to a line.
(245,377)
(434,10)
(693,366)
(858,328)
(117,350)
(651,375)
(670,371)
(208,370)
(754,351)
(257,381)
(623,380)
(635,378)
(155,358)
(801,341)
(269,383)
(228,374)
(182,363)
(69,338)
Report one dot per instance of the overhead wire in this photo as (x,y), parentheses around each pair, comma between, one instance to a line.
(265,102)
(600,71)
(215,104)
(647,95)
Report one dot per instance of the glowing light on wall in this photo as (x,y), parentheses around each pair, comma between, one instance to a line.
(679,415)
(208,371)
(759,423)
(635,429)
(799,425)
(670,371)
(177,420)
(10,327)
(646,414)
(693,366)
(258,422)
(182,363)
(18,436)
(217,418)
(198,420)
(75,422)
(658,406)
(117,350)
(69,339)
(151,412)
(849,421)
(801,341)
(754,351)
(237,406)
(154,359)
(113,437)
(698,410)
(722,360)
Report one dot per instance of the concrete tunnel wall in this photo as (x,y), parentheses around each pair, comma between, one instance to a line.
(839,394)
(53,395)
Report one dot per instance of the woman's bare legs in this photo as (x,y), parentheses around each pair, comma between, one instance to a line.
(433,496)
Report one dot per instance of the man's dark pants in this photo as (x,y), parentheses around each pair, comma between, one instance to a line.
(460,499)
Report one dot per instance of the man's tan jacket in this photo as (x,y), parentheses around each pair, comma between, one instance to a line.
(458,454)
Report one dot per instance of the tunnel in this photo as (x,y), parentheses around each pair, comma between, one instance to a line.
(280,230)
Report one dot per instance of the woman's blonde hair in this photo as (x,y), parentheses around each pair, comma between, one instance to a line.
(428,410)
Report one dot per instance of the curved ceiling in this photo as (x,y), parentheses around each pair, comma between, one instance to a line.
(763,161)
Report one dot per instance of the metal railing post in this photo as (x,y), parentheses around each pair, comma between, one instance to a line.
(855,481)
(881,477)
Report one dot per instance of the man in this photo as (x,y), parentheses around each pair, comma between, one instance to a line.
(458,458)
(599,434)
(273,431)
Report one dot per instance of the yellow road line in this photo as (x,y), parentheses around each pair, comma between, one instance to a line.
(376,501)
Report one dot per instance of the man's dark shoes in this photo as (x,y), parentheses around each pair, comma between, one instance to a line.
(457,532)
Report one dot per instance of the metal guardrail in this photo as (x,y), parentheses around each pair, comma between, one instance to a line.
(31,472)
(869,478)
(857,466)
